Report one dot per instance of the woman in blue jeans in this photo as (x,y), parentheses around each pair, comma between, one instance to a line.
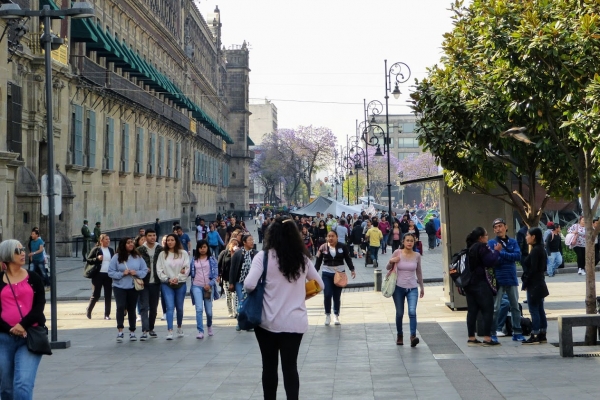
(332,255)
(407,263)
(173,268)
(18,366)
(204,273)
(535,284)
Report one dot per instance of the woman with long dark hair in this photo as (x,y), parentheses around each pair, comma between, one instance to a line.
(284,318)
(100,256)
(480,297)
(204,273)
(123,267)
(321,233)
(173,268)
(533,281)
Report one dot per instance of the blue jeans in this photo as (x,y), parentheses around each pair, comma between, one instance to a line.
(239,294)
(384,242)
(539,324)
(18,368)
(331,290)
(411,296)
(554,261)
(201,303)
(503,312)
(174,299)
(214,251)
(374,250)
(515,314)
(40,268)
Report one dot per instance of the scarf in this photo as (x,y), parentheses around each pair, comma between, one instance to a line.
(246,264)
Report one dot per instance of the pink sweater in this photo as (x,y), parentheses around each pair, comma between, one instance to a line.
(409,270)
(284,308)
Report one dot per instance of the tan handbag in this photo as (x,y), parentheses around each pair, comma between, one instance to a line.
(138,283)
(340,279)
(312,289)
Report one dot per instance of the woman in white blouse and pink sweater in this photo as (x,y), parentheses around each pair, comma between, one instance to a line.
(408,267)
(284,310)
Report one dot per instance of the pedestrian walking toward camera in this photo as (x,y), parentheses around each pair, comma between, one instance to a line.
(553,246)
(480,294)
(533,281)
(100,257)
(385,228)
(408,269)
(396,236)
(204,273)
(240,266)
(214,240)
(356,239)
(284,315)
(332,256)
(224,264)
(173,268)
(22,301)
(150,296)
(578,244)
(124,266)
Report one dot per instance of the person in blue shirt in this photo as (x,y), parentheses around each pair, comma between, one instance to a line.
(506,278)
(214,240)
(437,224)
(36,256)
(183,238)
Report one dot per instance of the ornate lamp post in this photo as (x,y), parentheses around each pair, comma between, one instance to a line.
(374,135)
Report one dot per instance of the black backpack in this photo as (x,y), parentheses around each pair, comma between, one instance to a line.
(459,270)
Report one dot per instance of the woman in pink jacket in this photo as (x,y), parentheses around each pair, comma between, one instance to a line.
(284,310)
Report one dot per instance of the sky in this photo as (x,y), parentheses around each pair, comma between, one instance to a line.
(316,60)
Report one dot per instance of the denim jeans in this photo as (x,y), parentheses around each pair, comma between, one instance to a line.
(331,290)
(239,295)
(174,300)
(214,250)
(18,367)
(411,296)
(503,312)
(515,314)
(201,303)
(384,242)
(554,261)
(539,324)
(374,250)
(153,298)
(143,306)
(40,268)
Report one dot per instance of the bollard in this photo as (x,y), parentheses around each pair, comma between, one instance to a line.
(377,280)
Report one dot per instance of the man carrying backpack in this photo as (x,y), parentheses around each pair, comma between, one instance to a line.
(506,277)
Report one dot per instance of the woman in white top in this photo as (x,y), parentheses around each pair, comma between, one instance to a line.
(173,268)
(100,256)
(284,310)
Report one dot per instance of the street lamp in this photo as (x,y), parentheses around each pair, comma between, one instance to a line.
(50,42)
(373,134)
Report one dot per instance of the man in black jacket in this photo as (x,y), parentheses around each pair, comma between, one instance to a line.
(430,230)
(149,297)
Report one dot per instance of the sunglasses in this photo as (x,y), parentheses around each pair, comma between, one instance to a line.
(20,250)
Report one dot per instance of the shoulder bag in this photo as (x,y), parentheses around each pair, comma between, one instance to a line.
(389,284)
(206,294)
(37,336)
(250,314)
(91,269)
(138,283)
(312,289)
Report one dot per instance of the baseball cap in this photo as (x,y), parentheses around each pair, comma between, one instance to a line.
(498,221)
(550,224)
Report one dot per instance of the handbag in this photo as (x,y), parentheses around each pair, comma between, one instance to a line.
(312,289)
(138,283)
(37,336)
(206,294)
(250,314)
(340,279)
(389,283)
(90,270)
(539,290)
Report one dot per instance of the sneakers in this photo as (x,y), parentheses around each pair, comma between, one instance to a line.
(144,337)
(106,317)
(230,315)
(132,337)
(179,332)
(327,319)
(533,339)
(473,342)
(518,338)
(200,335)
(164,317)
(500,334)
(153,334)
(138,319)
(336,319)
(210,332)
(169,335)
(581,272)
(490,343)
(494,338)
(120,337)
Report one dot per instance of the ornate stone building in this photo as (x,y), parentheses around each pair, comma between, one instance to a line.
(150,119)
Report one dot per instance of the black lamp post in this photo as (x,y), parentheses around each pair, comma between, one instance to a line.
(50,42)
(360,129)
(358,157)
(374,135)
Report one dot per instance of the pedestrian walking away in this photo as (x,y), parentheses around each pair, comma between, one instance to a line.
(204,273)
(173,268)
(18,365)
(285,318)
(332,256)
(374,238)
(407,263)
(100,256)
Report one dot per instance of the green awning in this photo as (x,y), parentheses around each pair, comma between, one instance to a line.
(250,142)
(81,31)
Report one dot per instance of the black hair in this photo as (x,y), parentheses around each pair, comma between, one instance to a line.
(199,245)
(178,245)
(245,237)
(122,252)
(284,237)
(375,223)
(177,227)
(474,236)
(150,231)
(537,234)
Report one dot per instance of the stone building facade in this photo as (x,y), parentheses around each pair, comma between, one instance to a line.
(150,119)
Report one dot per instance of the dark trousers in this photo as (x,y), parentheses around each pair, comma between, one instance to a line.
(331,291)
(271,345)
(431,241)
(580,253)
(479,299)
(395,245)
(39,267)
(153,298)
(99,281)
(126,299)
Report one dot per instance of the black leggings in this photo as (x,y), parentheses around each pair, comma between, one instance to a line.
(102,281)
(126,300)
(479,298)
(271,344)
(580,253)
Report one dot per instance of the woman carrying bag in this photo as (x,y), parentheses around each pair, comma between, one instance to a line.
(204,273)
(407,264)
(534,267)
(284,318)
(333,255)
(100,257)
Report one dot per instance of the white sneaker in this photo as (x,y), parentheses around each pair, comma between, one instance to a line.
(179,332)
(164,317)
(582,273)
(138,319)
(500,334)
(169,335)
(327,319)
(336,319)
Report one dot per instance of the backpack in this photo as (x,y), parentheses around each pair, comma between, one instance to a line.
(430,227)
(459,270)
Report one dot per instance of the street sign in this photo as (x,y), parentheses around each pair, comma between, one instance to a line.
(57,195)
